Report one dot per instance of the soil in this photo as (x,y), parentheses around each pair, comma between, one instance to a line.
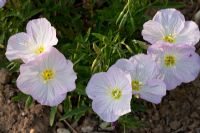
(14,117)
(179,112)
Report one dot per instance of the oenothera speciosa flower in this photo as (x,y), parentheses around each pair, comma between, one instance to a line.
(178,63)
(145,79)
(111,94)
(47,78)
(40,37)
(2,3)
(169,25)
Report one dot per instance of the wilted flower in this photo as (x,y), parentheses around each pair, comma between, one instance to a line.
(2,3)
(40,37)
(178,63)
(47,78)
(111,94)
(145,79)
(169,25)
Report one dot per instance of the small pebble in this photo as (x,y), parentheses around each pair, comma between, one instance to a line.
(62,130)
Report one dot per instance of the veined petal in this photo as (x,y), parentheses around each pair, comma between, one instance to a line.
(188,66)
(126,66)
(42,32)
(153,31)
(145,68)
(104,110)
(189,35)
(20,47)
(170,79)
(117,79)
(153,91)
(171,19)
(98,84)
(69,74)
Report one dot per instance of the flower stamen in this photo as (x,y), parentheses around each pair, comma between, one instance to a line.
(135,85)
(169,60)
(169,38)
(116,93)
(39,50)
(47,74)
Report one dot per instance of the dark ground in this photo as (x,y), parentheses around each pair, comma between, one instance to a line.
(179,112)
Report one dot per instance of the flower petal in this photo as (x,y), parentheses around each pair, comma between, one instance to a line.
(153,31)
(98,84)
(145,68)
(171,19)
(189,35)
(188,66)
(2,3)
(153,91)
(69,74)
(19,47)
(42,32)
(104,110)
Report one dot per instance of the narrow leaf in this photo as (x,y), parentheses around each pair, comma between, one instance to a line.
(52,115)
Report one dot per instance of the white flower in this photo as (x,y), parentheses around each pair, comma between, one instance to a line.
(2,3)
(145,79)
(111,94)
(169,25)
(178,63)
(47,78)
(40,37)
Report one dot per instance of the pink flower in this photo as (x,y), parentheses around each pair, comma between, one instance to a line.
(40,37)
(178,63)
(169,25)
(110,93)
(47,78)
(145,79)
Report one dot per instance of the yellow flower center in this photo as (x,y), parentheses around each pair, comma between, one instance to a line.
(48,74)
(135,85)
(39,50)
(169,60)
(169,38)
(116,93)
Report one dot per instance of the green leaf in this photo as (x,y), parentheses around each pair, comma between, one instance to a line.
(29,102)
(137,107)
(14,66)
(88,34)
(99,36)
(52,115)
(122,13)
(75,112)
(96,49)
(141,44)
(20,96)
(129,121)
